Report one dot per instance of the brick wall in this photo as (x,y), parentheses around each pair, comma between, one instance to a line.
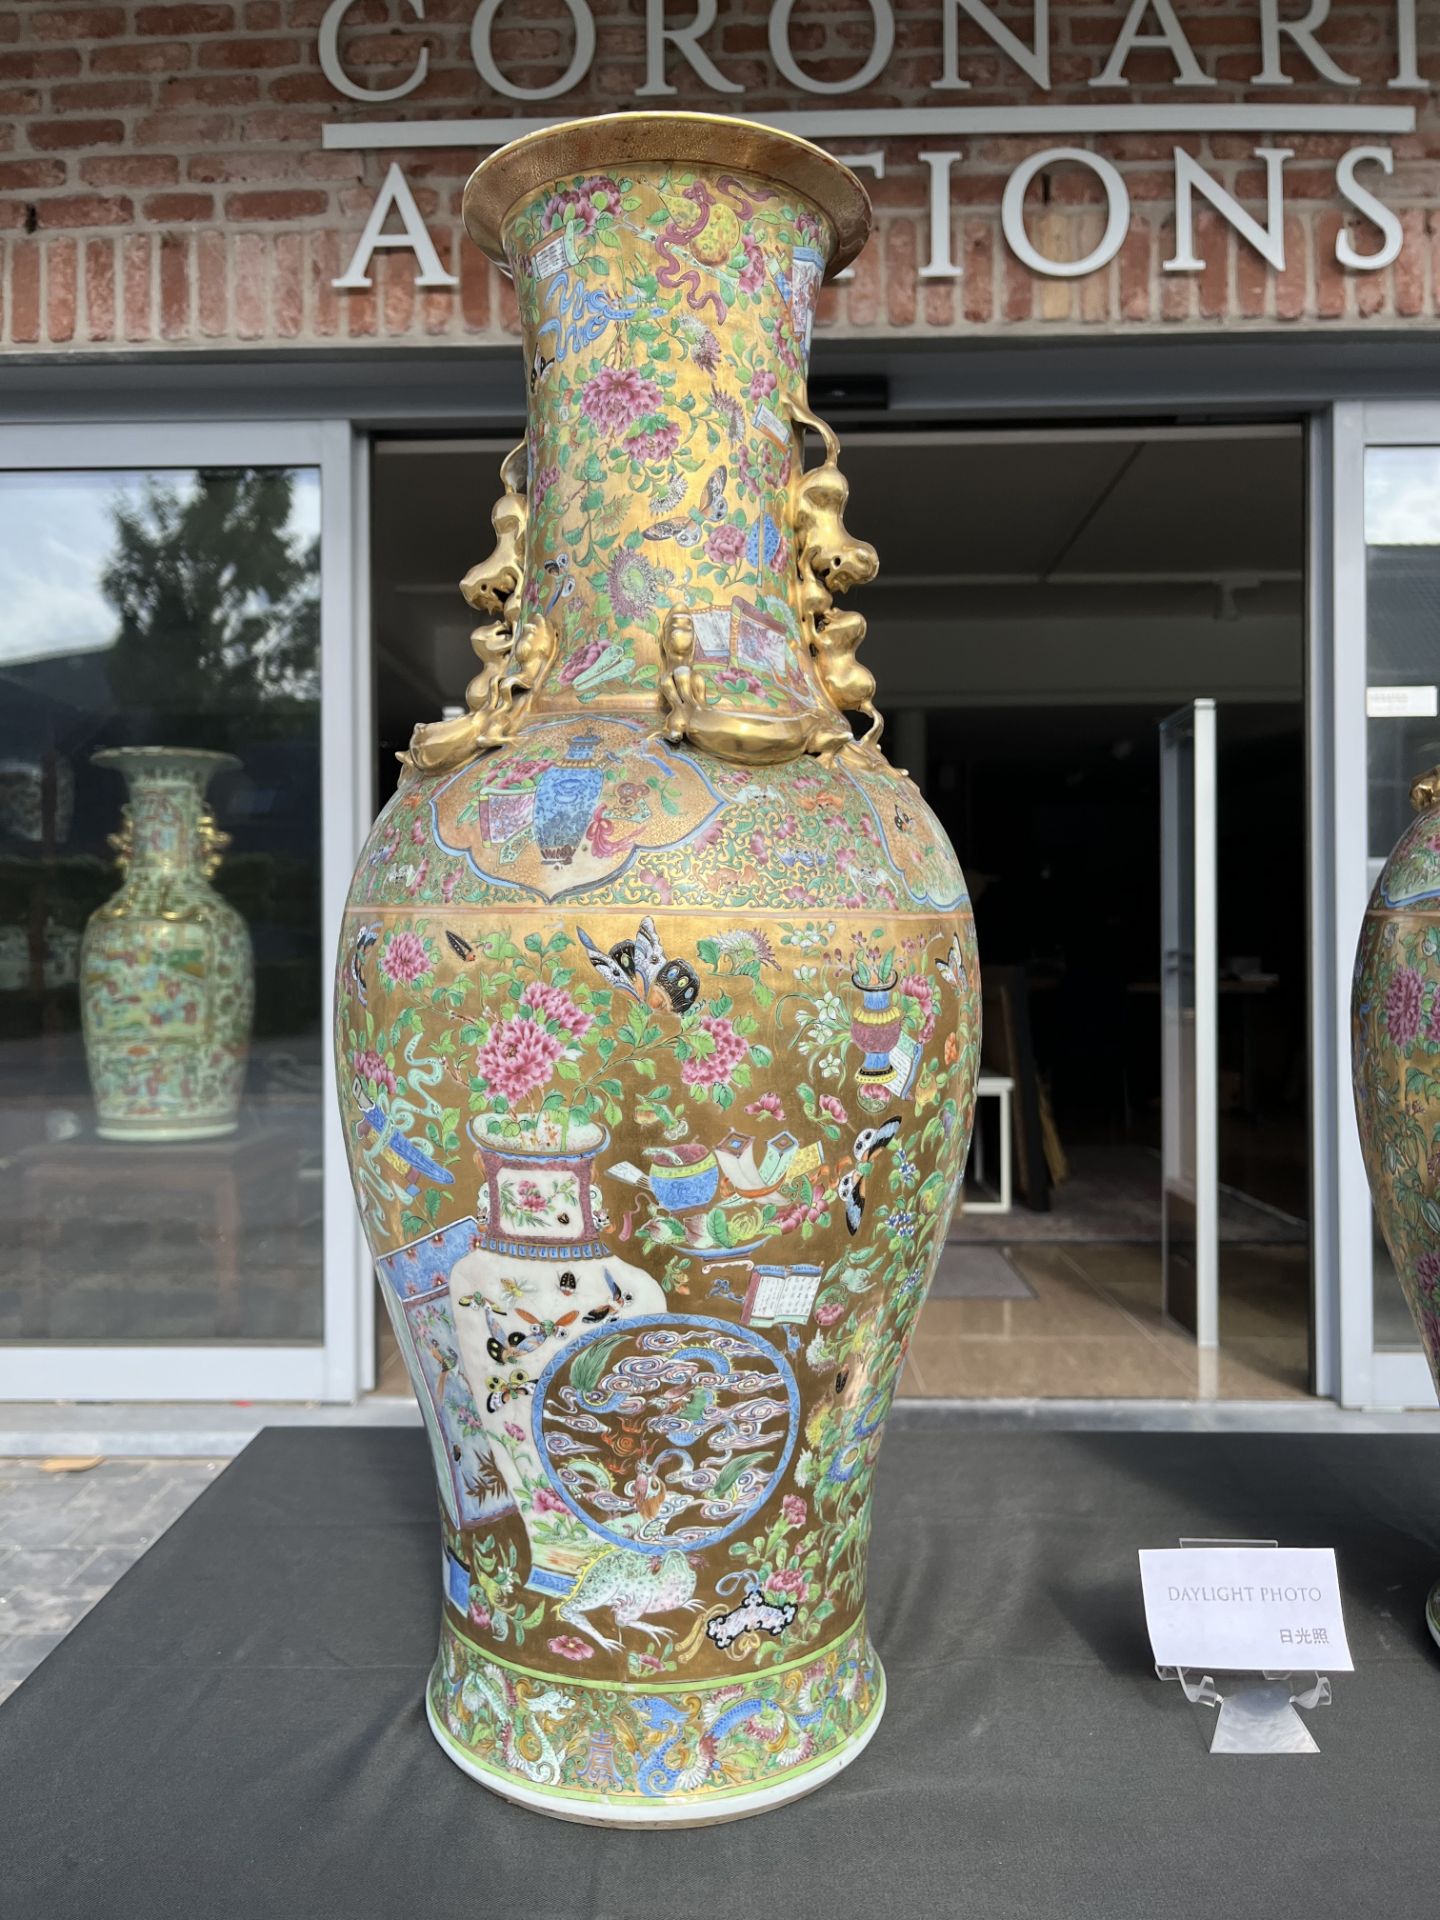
(163,182)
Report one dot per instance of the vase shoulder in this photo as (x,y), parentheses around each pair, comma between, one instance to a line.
(601,809)
(1409,882)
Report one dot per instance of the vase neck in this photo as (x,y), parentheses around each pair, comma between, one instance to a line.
(168,831)
(666,313)
(165,818)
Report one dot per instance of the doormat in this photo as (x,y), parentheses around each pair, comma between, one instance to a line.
(978,1273)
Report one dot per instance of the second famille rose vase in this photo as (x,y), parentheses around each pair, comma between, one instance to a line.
(1395,1041)
(658,1014)
(167,975)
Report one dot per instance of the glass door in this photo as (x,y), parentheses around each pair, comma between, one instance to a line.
(1386,520)
(1190,1247)
(176,812)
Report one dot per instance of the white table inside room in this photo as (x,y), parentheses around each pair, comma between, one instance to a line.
(999,1087)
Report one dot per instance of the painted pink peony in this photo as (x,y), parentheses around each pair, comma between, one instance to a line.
(793,1510)
(373,1070)
(713,1068)
(654,443)
(832,1107)
(545,481)
(548,1502)
(550,1003)
(616,397)
(789,1581)
(404,958)
(1402,1006)
(725,546)
(762,384)
(769,1103)
(752,274)
(583,203)
(518,1057)
(922,993)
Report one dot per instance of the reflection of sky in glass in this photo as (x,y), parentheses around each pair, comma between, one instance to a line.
(1402,497)
(56,535)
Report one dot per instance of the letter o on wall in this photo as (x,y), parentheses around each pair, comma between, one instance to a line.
(1012,213)
(572,76)
(790,69)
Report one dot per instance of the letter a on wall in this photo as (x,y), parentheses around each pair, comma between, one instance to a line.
(395,197)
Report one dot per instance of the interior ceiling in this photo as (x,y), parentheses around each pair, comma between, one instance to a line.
(1021,509)
(1160,508)
(1118,527)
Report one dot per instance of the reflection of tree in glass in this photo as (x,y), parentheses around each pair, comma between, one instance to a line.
(218,596)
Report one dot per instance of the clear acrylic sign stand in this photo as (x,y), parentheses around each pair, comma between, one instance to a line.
(1257,1714)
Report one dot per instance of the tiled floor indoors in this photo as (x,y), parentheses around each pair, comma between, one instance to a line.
(1094,1328)
(66,1537)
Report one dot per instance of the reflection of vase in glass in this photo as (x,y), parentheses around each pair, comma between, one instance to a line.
(1395,1042)
(565,797)
(167,977)
(37,799)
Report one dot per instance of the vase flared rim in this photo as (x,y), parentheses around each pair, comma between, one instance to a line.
(198,759)
(536,160)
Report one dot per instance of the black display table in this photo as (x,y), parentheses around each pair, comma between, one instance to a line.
(237,1729)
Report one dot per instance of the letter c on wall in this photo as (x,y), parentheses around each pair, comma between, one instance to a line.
(1012,213)
(329,49)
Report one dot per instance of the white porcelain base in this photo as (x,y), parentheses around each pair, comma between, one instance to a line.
(683,1810)
(117,1130)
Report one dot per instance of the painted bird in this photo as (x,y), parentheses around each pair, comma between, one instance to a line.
(364,940)
(399,1150)
(851,1188)
(445,1358)
(560,584)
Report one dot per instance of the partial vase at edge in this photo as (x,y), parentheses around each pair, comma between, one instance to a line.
(658,1014)
(1395,1042)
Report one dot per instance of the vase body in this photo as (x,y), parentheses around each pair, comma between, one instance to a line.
(657,1062)
(1395,1040)
(167,980)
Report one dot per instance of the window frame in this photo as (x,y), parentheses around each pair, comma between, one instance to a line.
(341,1364)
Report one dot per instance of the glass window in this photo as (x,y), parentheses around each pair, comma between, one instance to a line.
(161,954)
(1402,650)
(1402,637)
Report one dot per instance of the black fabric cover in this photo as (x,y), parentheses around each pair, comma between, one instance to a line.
(237,1729)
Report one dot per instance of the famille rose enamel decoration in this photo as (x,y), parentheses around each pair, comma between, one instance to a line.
(1395,1059)
(657,1016)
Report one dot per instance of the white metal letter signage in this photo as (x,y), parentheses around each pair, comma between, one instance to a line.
(684,34)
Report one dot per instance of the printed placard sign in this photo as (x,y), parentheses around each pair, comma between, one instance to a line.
(1245,1609)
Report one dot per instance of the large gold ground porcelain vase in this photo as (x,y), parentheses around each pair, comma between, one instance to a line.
(1395,1038)
(657,1015)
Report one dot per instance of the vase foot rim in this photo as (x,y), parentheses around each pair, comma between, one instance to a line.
(1432,1612)
(676,1811)
(117,1130)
